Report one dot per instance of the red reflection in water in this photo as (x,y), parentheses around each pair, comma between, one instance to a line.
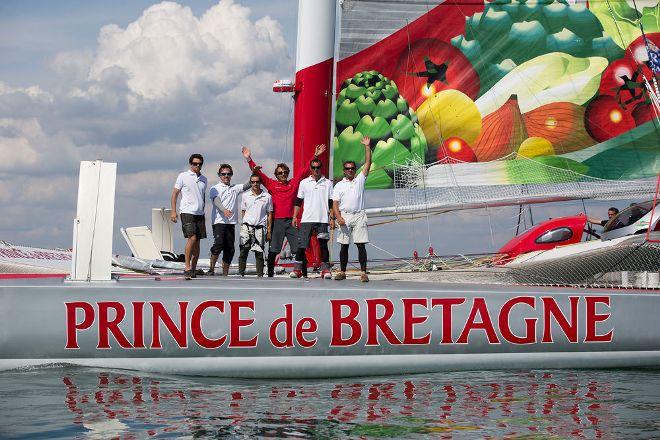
(528,404)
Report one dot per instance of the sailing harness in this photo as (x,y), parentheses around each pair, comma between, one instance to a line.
(253,236)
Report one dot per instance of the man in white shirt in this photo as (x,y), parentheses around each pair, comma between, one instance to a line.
(191,185)
(348,207)
(315,192)
(224,196)
(257,214)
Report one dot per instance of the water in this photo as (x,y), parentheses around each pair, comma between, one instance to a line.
(71,402)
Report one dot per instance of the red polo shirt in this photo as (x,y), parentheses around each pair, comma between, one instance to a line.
(283,194)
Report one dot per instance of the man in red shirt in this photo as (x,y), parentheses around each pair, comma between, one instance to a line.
(283,191)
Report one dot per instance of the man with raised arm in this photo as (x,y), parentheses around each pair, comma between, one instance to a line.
(348,207)
(283,192)
(191,185)
(257,215)
(315,192)
(224,196)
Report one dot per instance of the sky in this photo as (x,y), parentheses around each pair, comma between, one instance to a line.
(145,84)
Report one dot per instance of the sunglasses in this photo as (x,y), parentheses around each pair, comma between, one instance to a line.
(255,182)
(349,168)
(197,164)
(225,174)
(315,168)
(282,173)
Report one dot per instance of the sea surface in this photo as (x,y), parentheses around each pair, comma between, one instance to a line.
(75,402)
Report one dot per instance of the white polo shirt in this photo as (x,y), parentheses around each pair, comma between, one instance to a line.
(256,208)
(349,193)
(315,195)
(229,198)
(193,190)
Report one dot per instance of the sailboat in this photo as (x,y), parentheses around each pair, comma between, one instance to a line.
(469,105)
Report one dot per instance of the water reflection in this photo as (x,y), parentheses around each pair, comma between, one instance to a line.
(517,405)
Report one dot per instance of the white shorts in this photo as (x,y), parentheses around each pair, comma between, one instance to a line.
(355,228)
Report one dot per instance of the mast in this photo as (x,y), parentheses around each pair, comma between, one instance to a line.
(314,79)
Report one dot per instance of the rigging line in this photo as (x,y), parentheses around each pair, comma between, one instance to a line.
(392,255)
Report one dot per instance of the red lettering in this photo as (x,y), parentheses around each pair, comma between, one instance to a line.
(287,320)
(551,310)
(410,320)
(138,324)
(480,308)
(338,321)
(237,322)
(594,318)
(72,326)
(374,323)
(196,325)
(530,323)
(301,329)
(107,326)
(446,304)
(159,314)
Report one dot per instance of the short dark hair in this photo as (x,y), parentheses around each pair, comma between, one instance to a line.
(350,161)
(255,175)
(195,156)
(282,165)
(225,165)
(315,160)
(616,211)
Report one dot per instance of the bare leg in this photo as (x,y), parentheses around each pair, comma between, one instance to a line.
(188,252)
(214,259)
(195,256)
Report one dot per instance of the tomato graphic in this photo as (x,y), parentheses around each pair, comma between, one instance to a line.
(604,118)
(430,66)
(457,149)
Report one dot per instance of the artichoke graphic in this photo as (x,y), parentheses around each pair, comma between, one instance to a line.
(369,104)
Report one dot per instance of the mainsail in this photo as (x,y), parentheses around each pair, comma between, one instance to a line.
(472,103)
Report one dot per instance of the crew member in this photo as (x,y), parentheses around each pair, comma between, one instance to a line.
(315,192)
(257,215)
(283,192)
(610,213)
(191,185)
(224,196)
(348,207)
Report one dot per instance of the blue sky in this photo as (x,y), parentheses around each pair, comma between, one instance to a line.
(138,82)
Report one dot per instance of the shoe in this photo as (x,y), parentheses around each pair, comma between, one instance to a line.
(210,273)
(340,276)
(326,274)
(192,273)
(364,278)
(296,274)
(187,274)
(200,272)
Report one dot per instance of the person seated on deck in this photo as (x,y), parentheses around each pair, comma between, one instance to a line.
(348,207)
(224,196)
(610,213)
(315,192)
(257,215)
(283,192)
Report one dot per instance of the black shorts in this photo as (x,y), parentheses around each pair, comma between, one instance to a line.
(282,227)
(192,224)
(224,237)
(306,230)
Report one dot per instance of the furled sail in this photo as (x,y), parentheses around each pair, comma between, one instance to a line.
(471,103)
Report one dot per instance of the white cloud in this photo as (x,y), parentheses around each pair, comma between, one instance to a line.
(145,95)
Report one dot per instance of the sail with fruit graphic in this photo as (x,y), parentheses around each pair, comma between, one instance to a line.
(496,102)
